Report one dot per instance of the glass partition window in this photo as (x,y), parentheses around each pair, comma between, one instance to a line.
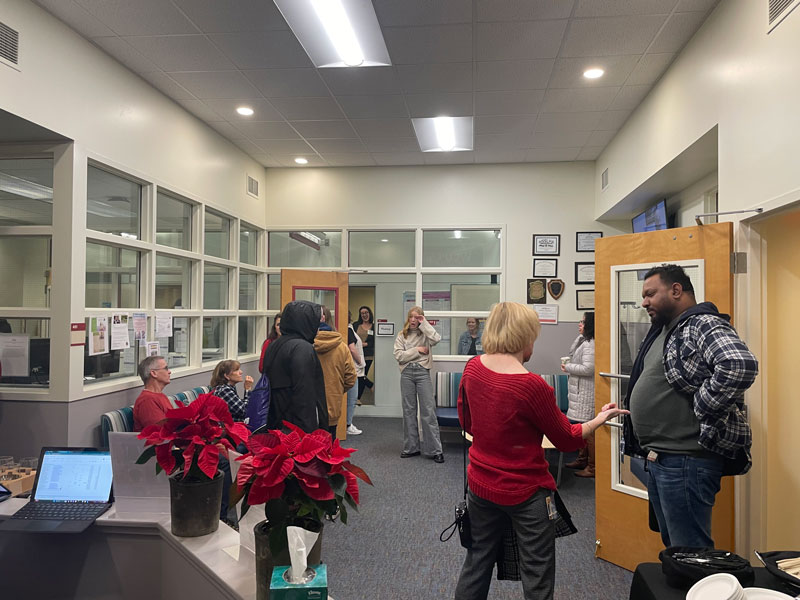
(461,248)
(214,336)
(215,287)
(313,249)
(173,282)
(217,235)
(248,245)
(273,292)
(247,335)
(110,364)
(248,285)
(176,348)
(112,277)
(26,263)
(382,248)
(173,222)
(113,204)
(457,336)
(26,191)
(459,292)
(29,341)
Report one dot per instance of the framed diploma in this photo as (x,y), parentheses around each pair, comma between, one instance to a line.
(547,244)
(584,272)
(584,240)
(545,267)
(584,300)
(537,291)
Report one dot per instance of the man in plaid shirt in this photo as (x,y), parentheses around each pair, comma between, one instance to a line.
(686,397)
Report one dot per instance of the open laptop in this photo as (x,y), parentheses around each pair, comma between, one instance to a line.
(72,489)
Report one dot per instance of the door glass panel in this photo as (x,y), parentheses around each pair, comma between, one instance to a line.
(320,296)
(313,249)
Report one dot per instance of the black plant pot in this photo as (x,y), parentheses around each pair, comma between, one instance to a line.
(195,505)
(266,562)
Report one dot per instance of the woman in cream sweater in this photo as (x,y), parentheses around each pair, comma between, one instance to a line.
(412,351)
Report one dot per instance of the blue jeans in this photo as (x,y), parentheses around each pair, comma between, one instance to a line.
(682,489)
(352,398)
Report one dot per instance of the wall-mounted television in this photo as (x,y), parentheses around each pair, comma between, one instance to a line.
(653,219)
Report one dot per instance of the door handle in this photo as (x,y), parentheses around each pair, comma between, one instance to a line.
(615,424)
(614,375)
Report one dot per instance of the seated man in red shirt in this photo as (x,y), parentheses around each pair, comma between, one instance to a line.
(152,404)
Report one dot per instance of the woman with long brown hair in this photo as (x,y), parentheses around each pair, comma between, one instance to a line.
(226,375)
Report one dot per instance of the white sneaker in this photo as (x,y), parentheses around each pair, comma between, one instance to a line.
(353,430)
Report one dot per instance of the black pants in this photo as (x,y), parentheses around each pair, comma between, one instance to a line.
(227,481)
(362,381)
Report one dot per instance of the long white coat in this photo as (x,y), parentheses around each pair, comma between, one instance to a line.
(580,388)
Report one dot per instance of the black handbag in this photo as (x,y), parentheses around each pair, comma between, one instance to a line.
(683,566)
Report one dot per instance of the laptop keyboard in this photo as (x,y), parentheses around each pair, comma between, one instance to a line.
(60,511)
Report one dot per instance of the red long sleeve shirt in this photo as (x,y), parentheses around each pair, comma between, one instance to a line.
(149,409)
(507,415)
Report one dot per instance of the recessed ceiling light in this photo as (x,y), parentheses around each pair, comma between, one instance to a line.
(245,111)
(444,134)
(301,161)
(593,73)
(384,240)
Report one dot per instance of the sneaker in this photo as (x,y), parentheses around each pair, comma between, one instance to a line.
(353,430)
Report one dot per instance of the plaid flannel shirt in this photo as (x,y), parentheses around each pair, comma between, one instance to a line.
(705,358)
(237,405)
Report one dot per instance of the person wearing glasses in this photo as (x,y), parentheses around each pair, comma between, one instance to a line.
(152,404)
(580,390)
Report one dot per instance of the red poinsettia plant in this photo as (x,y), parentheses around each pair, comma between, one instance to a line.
(190,438)
(301,478)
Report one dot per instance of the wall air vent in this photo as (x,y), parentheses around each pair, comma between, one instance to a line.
(778,11)
(604,180)
(9,45)
(252,186)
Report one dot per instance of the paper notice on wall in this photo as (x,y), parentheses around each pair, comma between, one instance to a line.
(153,349)
(140,327)
(163,325)
(98,335)
(15,355)
(119,332)
(548,313)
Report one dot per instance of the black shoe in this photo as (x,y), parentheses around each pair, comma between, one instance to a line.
(438,458)
(409,454)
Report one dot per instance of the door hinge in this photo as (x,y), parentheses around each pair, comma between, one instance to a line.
(738,262)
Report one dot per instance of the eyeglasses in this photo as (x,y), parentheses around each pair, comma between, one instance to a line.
(160,369)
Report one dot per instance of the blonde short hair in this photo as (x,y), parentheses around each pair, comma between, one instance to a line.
(510,328)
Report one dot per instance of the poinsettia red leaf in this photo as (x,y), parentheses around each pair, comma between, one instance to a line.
(188,459)
(227,444)
(262,440)
(149,431)
(352,485)
(238,432)
(315,488)
(208,461)
(165,458)
(292,427)
(246,471)
(308,448)
(278,471)
(259,494)
(357,471)
(185,413)
(315,468)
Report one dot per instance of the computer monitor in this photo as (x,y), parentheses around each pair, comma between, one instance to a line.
(652,219)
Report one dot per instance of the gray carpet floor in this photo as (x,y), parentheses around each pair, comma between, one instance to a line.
(390,547)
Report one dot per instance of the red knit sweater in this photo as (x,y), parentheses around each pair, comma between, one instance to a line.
(507,415)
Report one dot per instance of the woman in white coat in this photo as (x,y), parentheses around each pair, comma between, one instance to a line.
(581,390)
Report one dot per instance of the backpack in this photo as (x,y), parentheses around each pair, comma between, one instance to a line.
(258,403)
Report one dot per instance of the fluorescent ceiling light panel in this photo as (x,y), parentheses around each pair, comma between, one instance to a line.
(444,134)
(337,33)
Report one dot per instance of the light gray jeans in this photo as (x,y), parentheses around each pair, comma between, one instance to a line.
(415,382)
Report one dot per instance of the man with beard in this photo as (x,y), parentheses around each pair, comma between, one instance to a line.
(297,386)
(687,407)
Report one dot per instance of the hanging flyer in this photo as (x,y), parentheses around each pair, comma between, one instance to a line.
(163,325)
(119,332)
(98,335)
(15,355)
(140,327)
(153,349)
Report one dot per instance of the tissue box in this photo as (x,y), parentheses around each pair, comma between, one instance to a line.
(316,589)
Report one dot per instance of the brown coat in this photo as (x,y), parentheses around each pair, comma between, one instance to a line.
(337,368)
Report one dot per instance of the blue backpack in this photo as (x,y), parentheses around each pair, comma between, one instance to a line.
(258,404)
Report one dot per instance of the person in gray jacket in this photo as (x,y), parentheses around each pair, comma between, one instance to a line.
(580,390)
(412,351)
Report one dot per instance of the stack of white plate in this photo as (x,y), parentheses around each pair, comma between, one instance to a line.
(724,586)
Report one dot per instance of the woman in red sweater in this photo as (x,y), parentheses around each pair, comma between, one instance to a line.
(274,334)
(508,410)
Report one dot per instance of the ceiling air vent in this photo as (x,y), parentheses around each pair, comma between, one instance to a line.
(604,180)
(252,186)
(779,10)
(9,45)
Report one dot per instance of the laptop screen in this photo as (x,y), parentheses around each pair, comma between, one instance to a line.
(74,475)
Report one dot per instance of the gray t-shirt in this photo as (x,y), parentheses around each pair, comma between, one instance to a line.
(663,419)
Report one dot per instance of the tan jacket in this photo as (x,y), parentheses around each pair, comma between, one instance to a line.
(337,369)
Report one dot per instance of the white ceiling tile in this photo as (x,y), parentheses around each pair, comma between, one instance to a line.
(288,83)
(615,8)
(450,77)
(213,16)
(307,109)
(568,72)
(216,84)
(248,147)
(559,139)
(510,75)
(600,138)
(552,154)
(383,128)
(373,107)
(433,44)
(630,96)
(500,156)
(165,84)
(349,160)
(448,158)
(266,160)
(356,82)
(522,10)
(392,13)
(678,30)
(395,145)
(338,146)
(181,52)
(76,17)
(574,121)
(227,129)
(579,100)
(508,103)
(399,158)
(142,17)
(502,141)
(610,36)
(277,147)
(504,124)
(339,129)
(267,130)
(696,5)
(199,109)
(126,54)
(435,105)
(262,109)
(590,152)
(613,119)
(262,50)
(650,68)
(519,41)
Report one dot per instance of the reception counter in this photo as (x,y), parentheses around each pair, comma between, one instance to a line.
(124,555)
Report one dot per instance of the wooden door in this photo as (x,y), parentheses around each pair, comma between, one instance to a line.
(323,287)
(623,534)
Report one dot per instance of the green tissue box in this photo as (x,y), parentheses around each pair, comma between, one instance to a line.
(316,589)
